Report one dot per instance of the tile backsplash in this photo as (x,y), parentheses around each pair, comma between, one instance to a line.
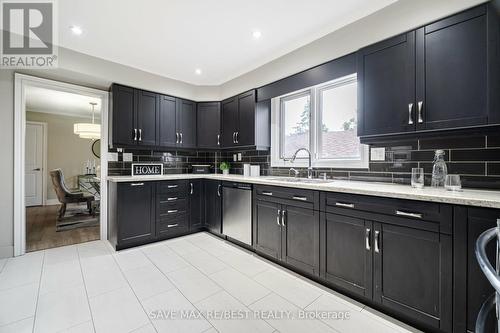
(475,158)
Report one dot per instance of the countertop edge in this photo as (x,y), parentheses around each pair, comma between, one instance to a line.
(387,190)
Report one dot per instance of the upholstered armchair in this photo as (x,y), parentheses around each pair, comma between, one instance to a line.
(65,196)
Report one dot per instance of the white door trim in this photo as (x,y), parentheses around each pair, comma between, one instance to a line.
(21,82)
(45,186)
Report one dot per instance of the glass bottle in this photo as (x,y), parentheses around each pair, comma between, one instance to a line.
(439,169)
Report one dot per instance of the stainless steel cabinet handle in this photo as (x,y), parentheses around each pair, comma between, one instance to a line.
(367,238)
(218,190)
(140,134)
(234,137)
(137,184)
(410,118)
(237,134)
(180,141)
(37,169)
(135,134)
(278,217)
(346,205)
(176,137)
(172,225)
(283,217)
(172,199)
(172,211)
(192,188)
(172,186)
(270,194)
(419,108)
(415,215)
(299,198)
(377,236)
(218,139)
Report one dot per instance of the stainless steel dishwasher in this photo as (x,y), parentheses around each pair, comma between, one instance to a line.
(237,212)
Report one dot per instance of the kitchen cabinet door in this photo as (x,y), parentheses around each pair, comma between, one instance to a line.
(267,228)
(452,71)
(413,273)
(208,125)
(213,206)
(167,129)
(245,133)
(186,123)
(196,204)
(135,212)
(348,253)
(147,110)
(386,86)
(230,121)
(300,241)
(123,116)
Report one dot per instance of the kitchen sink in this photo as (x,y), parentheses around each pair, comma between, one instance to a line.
(302,180)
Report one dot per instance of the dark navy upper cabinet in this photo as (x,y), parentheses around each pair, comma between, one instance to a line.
(230,121)
(208,127)
(186,123)
(245,123)
(166,122)
(123,117)
(452,67)
(386,83)
(147,110)
(444,75)
(134,115)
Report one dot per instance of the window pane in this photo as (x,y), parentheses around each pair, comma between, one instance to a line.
(338,134)
(295,113)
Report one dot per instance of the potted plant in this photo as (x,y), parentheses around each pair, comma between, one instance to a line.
(225,166)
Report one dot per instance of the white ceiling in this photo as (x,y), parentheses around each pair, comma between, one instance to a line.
(172,38)
(59,102)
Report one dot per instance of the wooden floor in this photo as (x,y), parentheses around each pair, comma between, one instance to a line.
(41,230)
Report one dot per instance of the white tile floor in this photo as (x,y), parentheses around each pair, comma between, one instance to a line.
(91,288)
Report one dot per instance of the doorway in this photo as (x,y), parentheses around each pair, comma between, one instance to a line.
(60,164)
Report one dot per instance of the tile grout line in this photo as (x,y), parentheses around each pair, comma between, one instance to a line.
(85,287)
(38,293)
(178,290)
(132,289)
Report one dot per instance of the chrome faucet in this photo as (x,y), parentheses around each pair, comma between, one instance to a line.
(309,168)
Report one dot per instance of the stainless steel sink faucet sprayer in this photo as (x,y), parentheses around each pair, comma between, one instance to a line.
(309,168)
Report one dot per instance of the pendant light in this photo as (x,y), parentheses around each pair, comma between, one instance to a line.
(88,130)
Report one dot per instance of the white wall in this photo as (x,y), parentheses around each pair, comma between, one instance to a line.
(97,73)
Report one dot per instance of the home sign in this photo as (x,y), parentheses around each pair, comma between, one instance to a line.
(147,169)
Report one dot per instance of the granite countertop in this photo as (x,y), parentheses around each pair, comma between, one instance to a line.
(467,197)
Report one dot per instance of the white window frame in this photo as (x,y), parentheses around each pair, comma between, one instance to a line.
(277,159)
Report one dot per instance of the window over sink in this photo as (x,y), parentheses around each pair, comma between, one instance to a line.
(323,119)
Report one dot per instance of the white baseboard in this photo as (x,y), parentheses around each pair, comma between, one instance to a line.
(50,202)
(6,251)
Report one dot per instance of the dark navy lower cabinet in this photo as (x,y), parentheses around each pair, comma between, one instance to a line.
(213,206)
(347,253)
(286,228)
(131,214)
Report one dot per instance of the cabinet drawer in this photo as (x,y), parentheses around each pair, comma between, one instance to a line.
(287,195)
(171,209)
(173,225)
(411,210)
(176,188)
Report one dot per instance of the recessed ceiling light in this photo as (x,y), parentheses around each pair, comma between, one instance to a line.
(197,71)
(76,30)
(256,34)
